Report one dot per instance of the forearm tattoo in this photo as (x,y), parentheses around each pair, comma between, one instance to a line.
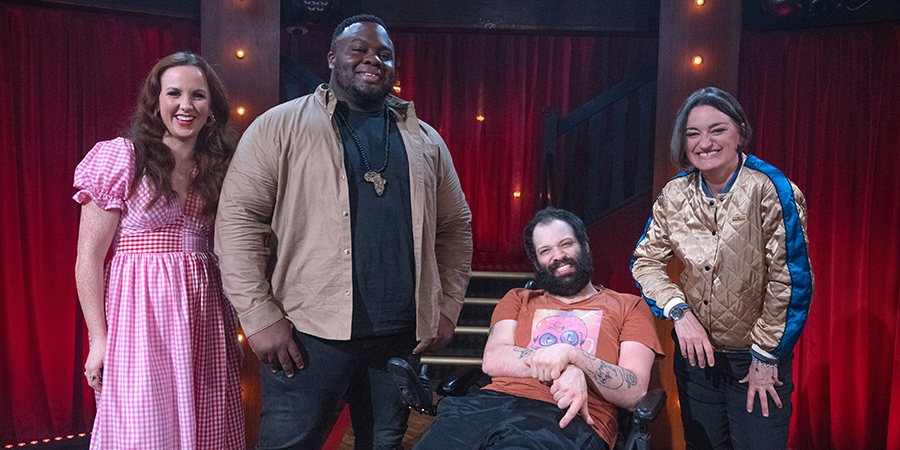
(523,352)
(611,376)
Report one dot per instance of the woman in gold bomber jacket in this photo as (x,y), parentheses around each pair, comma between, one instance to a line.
(739,227)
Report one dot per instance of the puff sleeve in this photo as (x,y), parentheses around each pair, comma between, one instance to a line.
(105,174)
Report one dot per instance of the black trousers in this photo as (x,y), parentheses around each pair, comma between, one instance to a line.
(714,404)
(298,412)
(493,420)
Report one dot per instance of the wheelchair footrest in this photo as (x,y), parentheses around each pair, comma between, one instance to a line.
(413,389)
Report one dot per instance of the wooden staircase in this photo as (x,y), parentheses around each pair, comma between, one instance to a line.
(467,346)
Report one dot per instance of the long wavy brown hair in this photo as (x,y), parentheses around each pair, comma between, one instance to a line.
(212,151)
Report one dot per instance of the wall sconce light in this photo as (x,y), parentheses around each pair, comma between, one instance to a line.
(479,118)
(517,194)
(239,53)
(697,60)
(700,2)
(397,86)
(241,110)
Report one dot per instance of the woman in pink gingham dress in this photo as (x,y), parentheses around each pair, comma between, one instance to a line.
(164,355)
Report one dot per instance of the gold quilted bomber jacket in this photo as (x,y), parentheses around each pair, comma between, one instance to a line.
(747,273)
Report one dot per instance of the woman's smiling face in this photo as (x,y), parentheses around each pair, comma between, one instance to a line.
(184,102)
(711,140)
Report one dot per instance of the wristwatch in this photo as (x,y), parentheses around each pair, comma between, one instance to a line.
(677,313)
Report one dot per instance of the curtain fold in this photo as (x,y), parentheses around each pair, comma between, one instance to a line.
(825,105)
(509,80)
(69,78)
(826,109)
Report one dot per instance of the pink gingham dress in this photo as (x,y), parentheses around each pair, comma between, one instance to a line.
(171,377)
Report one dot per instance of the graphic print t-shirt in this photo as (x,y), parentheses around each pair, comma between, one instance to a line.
(596,325)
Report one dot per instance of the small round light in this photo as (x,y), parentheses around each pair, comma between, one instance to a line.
(240,337)
(697,60)
(239,54)
(517,194)
(397,89)
(241,110)
(700,2)
(479,118)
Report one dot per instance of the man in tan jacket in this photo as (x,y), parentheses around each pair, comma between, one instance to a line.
(344,240)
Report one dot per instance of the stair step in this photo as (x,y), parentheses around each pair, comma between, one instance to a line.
(485,291)
(451,360)
(472,330)
(481,301)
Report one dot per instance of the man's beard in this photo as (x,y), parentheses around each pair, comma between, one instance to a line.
(568,284)
(374,96)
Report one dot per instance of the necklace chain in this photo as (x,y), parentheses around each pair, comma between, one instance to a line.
(362,152)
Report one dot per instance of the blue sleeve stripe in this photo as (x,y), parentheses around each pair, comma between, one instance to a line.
(652,303)
(797,258)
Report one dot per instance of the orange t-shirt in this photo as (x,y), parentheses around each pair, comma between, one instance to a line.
(597,325)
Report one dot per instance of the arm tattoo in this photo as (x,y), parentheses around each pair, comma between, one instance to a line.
(523,352)
(613,377)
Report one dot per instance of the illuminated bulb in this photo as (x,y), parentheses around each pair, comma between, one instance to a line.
(81,435)
(517,194)
(479,118)
(239,54)
(241,111)
(700,2)
(240,337)
(33,442)
(697,60)
(397,89)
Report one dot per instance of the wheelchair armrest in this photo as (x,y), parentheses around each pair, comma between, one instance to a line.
(650,404)
(460,381)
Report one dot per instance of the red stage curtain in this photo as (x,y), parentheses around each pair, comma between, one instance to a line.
(509,80)
(69,78)
(826,107)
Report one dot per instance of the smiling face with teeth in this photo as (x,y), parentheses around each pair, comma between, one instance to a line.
(562,267)
(712,140)
(362,66)
(184,104)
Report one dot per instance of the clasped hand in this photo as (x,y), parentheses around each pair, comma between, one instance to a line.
(553,366)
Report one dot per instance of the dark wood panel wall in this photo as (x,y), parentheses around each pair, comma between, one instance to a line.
(253,26)
(686,29)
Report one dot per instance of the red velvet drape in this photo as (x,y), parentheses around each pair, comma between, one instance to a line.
(825,104)
(509,80)
(826,107)
(68,79)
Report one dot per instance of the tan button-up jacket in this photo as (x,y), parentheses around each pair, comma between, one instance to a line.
(283,226)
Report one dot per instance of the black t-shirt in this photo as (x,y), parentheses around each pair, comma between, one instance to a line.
(381,226)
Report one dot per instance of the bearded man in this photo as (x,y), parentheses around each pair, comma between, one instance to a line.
(561,358)
(344,239)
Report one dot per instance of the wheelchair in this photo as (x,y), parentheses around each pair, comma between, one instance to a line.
(416,388)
